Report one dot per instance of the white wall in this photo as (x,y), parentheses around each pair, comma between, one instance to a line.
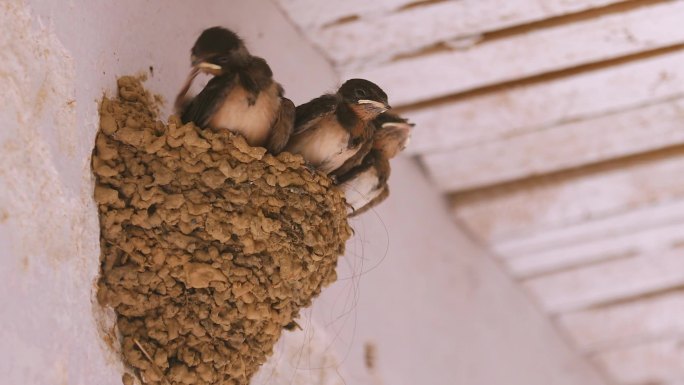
(437,309)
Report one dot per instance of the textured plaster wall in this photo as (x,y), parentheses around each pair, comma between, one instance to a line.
(436,310)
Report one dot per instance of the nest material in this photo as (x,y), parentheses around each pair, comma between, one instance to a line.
(209,246)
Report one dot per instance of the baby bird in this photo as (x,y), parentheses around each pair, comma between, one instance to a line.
(332,128)
(241,97)
(365,186)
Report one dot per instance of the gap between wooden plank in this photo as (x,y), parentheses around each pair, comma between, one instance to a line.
(521,109)
(522,208)
(536,79)
(487,36)
(619,325)
(440,27)
(610,281)
(566,146)
(529,55)
(657,215)
(647,240)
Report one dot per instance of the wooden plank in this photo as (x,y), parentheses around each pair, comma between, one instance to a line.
(660,363)
(398,33)
(647,241)
(521,210)
(608,281)
(536,52)
(311,15)
(646,319)
(565,146)
(593,230)
(538,106)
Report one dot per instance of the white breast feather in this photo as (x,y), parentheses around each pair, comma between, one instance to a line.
(325,145)
(362,189)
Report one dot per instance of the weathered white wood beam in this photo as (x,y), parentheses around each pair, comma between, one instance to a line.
(536,52)
(565,146)
(545,204)
(355,44)
(620,325)
(593,230)
(608,281)
(534,107)
(311,15)
(659,363)
(647,241)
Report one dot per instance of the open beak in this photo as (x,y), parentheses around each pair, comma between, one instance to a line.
(378,105)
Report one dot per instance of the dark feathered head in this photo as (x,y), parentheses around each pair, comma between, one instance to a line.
(366,94)
(217,49)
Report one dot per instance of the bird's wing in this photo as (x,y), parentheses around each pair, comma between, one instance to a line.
(367,162)
(282,127)
(256,77)
(208,101)
(308,114)
(374,202)
(354,161)
(182,99)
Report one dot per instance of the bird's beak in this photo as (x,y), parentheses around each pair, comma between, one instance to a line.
(397,125)
(208,68)
(379,105)
(205,66)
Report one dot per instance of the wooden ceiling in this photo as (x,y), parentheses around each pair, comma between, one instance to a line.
(556,129)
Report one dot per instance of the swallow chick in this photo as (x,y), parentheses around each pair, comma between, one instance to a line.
(334,127)
(365,186)
(241,97)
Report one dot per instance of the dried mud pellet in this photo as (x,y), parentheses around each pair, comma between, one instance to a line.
(108,124)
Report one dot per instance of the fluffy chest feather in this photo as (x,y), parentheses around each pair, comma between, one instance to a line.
(252,121)
(325,146)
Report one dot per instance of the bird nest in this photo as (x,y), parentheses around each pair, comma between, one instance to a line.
(209,247)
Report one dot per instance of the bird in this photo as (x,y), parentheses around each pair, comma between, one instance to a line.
(332,128)
(365,185)
(212,42)
(242,96)
(354,161)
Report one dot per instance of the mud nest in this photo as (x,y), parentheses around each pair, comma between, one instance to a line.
(209,246)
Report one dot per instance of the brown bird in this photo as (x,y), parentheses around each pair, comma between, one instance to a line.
(334,127)
(241,97)
(365,186)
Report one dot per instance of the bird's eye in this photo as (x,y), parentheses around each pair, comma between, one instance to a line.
(361,93)
(220,59)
